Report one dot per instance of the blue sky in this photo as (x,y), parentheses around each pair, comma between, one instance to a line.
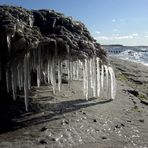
(109,21)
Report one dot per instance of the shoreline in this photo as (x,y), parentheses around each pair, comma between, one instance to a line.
(134,61)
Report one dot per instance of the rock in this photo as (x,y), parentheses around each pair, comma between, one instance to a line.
(128,120)
(136,81)
(65,122)
(141,120)
(144,102)
(43,129)
(103,137)
(122,125)
(134,102)
(134,92)
(84,113)
(43,141)
(119,125)
(94,120)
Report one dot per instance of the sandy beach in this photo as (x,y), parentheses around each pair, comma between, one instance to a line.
(67,120)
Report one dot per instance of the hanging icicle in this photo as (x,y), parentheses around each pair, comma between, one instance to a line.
(102,77)
(113,82)
(39,68)
(48,71)
(26,73)
(59,75)
(94,77)
(71,70)
(14,81)
(91,73)
(98,77)
(77,71)
(44,77)
(30,20)
(88,78)
(84,79)
(106,75)
(53,69)
(53,83)
(8,80)
(19,76)
(74,70)
(8,38)
(34,59)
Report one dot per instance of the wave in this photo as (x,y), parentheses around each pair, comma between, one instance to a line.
(134,56)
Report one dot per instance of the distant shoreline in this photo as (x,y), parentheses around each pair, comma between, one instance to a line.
(134,61)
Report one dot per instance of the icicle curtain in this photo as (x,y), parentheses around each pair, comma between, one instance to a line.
(44,42)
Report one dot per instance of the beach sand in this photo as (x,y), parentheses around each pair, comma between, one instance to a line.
(68,120)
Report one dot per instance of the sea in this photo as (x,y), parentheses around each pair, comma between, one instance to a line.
(134,54)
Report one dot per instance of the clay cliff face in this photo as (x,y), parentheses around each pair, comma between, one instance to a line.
(39,40)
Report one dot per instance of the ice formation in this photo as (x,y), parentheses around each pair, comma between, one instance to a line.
(96,76)
(64,47)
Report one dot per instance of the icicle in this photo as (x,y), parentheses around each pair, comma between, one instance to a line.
(48,71)
(53,79)
(26,73)
(68,66)
(102,76)
(71,70)
(44,76)
(77,70)
(84,79)
(29,76)
(30,20)
(39,68)
(113,82)
(59,75)
(91,73)
(38,76)
(94,78)
(53,72)
(106,74)
(19,77)
(8,38)
(13,76)
(98,77)
(68,71)
(7,80)
(34,59)
(74,70)
(88,79)
(54,22)
(79,67)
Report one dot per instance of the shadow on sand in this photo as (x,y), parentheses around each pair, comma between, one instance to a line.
(13,115)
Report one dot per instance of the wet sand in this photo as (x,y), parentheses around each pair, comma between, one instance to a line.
(68,120)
